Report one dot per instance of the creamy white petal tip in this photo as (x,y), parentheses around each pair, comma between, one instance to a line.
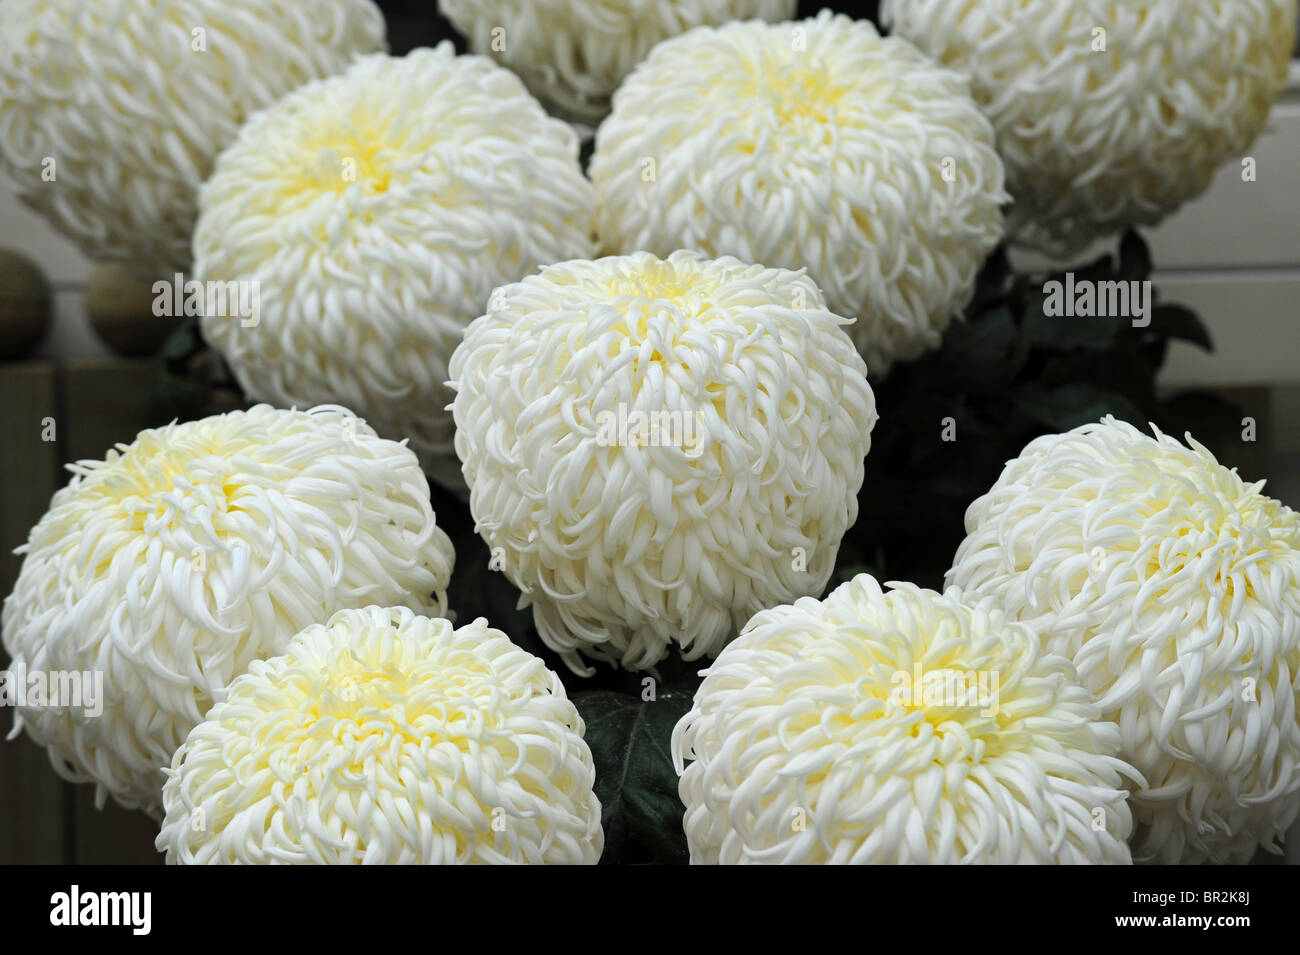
(376,210)
(1174,586)
(112,112)
(1109,113)
(897,727)
(573,53)
(179,559)
(814,143)
(657,449)
(387,737)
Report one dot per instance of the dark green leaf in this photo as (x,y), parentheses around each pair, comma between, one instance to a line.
(1134,258)
(848,572)
(635,781)
(1211,419)
(1060,332)
(992,283)
(477,590)
(1175,321)
(183,342)
(975,352)
(1070,405)
(172,396)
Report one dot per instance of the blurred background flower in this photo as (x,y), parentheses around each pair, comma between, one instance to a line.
(1109,114)
(112,112)
(574,53)
(815,144)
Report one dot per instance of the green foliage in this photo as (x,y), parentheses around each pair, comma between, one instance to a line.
(1004,376)
(190,380)
(175,394)
(635,780)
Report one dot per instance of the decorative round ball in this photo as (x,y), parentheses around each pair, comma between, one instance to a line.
(899,727)
(387,737)
(814,144)
(113,111)
(26,301)
(1108,114)
(656,449)
(120,304)
(374,212)
(573,54)
(1175,588)
(168,567)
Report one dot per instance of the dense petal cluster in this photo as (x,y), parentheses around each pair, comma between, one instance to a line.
(897,727)
(573,53)
(179,559)
(387,737)
(1108,113)
(1174,587)
(112,112)
(814,144)
(657,449)
(375,211)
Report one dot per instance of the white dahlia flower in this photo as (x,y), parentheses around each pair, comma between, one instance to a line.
(573,53)
(376,210)
(111,112)
(1108,113)
(1175,588)
(168,567)
(387,737)
(814,144)
(899,727)
(656,449)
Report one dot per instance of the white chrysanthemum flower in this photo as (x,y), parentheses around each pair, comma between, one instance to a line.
(899,727)
(573,53)
(1175,588)
(200,547)
(377,210)
(1108,113)
(657,449)
(111,112)
(813,144)
(387,737)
